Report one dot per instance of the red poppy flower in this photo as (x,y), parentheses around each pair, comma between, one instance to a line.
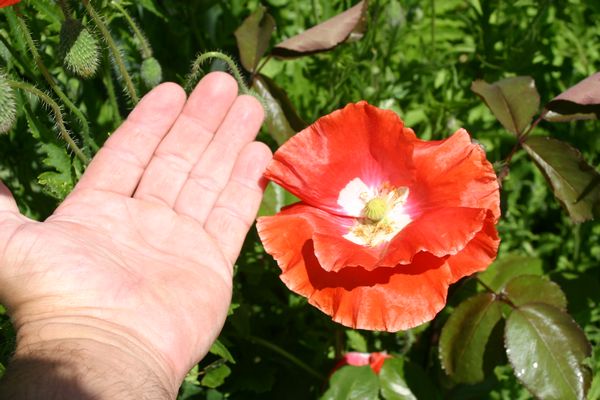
(6,3)
(386,221)
(356,359)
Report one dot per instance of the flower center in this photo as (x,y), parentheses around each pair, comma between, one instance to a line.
(379,211)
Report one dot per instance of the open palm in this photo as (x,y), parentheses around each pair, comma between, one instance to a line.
(144,245)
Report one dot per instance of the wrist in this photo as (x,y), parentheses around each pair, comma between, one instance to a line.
(86,358)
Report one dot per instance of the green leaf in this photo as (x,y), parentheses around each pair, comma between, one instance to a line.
(353,383)
(526,289)
(546,349)
(215,377)
(514,101)
(289,111)
(151,6)
(391,380)
(325,36)
(253,37)
(356,341)
(581,101)
(274,199)
(465,336)
(497,275)
(59,182)
(219,349)
(574,182)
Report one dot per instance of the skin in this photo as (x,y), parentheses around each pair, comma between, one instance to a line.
(126,286)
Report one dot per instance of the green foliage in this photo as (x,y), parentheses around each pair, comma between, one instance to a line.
(418,58)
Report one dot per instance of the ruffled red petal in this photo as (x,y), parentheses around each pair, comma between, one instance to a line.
(441,232)
(386,299)
(359,141)
(479,253)
(454,173)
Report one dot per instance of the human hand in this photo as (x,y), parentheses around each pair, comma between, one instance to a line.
(138,258)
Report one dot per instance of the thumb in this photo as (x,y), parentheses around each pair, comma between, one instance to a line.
(7,202)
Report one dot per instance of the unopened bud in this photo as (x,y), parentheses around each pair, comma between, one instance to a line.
(79,49)
(151,72)
(8,107)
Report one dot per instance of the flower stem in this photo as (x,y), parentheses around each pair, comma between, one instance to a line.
(195,72)
(85,129)
(295,360)
(57,115)
(112,97)
(115,52)
(145,48)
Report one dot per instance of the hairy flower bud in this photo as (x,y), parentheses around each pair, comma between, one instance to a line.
(79,49)
(151,72)
(8,108)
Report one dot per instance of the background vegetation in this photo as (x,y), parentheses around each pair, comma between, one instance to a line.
(417,58)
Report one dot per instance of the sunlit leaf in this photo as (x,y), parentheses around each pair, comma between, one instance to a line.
(353,383)
(277,124)
(282,99)
(59,181)
(253,37)
(531,289)
(325,36)
(215,377)
(574,182)
(465,336)
(220,350)
(581,101)
(504,269)
(356,341)
(514,101)
(546,349)
(391,380)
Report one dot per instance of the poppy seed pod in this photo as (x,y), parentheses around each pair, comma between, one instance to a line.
(8,108)
(79,49)
(151,72)
(386,222)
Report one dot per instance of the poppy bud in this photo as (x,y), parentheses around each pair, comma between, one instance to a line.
(151,72)
(79,49)
(8,109)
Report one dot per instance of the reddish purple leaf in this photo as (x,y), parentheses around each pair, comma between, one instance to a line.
(581,101)
(326,35)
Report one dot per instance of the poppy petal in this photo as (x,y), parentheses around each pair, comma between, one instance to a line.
(359,141)
(6,3)
(441,232)
(385,299)
(454,173)
(478,254)
(333,251)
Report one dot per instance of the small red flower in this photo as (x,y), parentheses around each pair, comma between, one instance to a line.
(386,221)
(6,3)
(356,359)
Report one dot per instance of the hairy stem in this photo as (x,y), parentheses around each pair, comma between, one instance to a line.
(85,128)
(57,115)
(131,91)
(195,73)
(112,97)
(145,48)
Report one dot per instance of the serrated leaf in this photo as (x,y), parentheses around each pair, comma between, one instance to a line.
(392,383)
(546,349)
(465,336)
(535,289)
(325,36)
(504,269)
(215,377)
(574,182)
(581,101)
(253,37)
(274,199)
(219,349)
(514,101)
(353,383)
(58,182)
(356,341)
